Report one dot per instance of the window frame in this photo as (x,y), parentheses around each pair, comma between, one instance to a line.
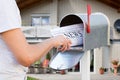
(40,16)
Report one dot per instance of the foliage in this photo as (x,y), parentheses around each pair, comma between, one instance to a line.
(115,62)
(119,68)
(112,70)
(48,56)
(37,63)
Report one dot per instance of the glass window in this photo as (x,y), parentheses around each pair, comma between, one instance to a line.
(35,21)
(40,20)
(45,20)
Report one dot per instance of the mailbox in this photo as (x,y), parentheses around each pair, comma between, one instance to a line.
(98,37)
(99,25)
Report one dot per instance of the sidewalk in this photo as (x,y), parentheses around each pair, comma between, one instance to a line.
(74,77)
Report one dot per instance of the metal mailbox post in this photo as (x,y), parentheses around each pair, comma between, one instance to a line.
(98,37)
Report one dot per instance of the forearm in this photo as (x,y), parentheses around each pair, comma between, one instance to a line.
(39,50)
(30,53)
(25,53)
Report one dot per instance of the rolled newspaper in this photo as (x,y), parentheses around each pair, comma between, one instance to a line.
(73,32)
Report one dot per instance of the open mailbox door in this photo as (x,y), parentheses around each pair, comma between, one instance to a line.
(97,37)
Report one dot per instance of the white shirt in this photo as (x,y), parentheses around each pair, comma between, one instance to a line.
(10,18)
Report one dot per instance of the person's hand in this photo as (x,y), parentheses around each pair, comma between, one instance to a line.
(61,42)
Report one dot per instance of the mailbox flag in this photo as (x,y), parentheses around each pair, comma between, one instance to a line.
(88,17)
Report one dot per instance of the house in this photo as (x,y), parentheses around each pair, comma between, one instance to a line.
(39,16)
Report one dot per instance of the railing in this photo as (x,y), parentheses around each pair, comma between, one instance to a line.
(37,33)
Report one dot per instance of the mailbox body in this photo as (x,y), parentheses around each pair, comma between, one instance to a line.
(99,26)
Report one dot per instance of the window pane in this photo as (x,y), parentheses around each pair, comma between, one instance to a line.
(36,21)
(45,20)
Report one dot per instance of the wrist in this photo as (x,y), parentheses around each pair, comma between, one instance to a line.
(52,41)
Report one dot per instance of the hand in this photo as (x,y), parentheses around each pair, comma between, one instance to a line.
(61,42)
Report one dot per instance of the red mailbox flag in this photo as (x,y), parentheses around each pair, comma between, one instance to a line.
(88,18)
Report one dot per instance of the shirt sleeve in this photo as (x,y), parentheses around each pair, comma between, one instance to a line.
(9,15)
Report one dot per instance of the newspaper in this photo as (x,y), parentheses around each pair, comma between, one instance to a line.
(73,32)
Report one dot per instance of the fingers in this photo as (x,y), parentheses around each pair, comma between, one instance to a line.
(63,48)
(61,42)
(65,45)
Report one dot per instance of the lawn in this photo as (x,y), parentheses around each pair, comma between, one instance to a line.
(31,78)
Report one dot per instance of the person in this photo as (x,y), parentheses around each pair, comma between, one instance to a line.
(15,53)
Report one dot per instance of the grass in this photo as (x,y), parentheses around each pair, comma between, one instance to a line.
(31,78)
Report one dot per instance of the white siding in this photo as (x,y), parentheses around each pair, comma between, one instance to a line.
(79,6)
(45,7)
(115,51)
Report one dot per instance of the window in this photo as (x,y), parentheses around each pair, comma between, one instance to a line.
(45,20)
(35,21)
(40,20)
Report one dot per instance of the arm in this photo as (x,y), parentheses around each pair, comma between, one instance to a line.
(25,53)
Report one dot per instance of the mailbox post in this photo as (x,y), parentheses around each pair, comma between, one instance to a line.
(85,66)
(98,37)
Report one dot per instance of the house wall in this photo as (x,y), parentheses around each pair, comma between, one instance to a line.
(59,8)
(45,7)
(79,6)
(115,50)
